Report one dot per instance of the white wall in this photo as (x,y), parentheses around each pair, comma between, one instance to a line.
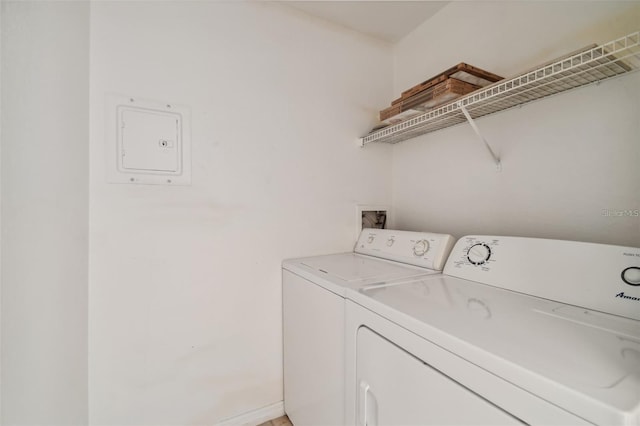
(185,286)
(184,294)
(565,159)
(1,74)
(45,130)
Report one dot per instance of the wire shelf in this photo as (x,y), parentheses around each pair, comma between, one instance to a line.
(611,59)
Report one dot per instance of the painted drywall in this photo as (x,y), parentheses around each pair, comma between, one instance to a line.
(1,73)
(567,160)
(45,151)
(185,282)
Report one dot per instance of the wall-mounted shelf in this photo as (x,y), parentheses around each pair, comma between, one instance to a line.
(611,59)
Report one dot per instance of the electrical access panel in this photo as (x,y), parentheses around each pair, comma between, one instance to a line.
(148,142)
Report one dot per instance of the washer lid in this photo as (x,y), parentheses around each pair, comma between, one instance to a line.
(584,361)
(339,272)
(355,268)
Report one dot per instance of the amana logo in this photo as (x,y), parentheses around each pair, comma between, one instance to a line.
(624,296)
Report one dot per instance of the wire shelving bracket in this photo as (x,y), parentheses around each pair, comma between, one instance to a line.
(495,158)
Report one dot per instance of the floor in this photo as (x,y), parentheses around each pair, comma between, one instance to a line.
(280,421)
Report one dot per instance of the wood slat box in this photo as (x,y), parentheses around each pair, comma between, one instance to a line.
(449,89)
(434,96)
(462,71)
(448,85)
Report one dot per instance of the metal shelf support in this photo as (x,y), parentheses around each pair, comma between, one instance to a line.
(495,158)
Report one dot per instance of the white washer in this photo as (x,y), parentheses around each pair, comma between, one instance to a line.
(516,330)
(314,308)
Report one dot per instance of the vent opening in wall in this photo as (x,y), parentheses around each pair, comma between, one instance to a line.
(374,219)
(373,216)
(148,142)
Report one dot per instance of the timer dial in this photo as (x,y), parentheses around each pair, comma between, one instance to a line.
(421,247)
(390,241)
(631,276)
(371,238)
(478,254)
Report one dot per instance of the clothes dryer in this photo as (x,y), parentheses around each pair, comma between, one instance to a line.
(516,330)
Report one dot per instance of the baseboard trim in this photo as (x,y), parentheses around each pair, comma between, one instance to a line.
(255,417)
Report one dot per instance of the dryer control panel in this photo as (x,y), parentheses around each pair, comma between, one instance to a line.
(423,249)
(600,277)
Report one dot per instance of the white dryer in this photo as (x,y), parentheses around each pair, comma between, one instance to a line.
(515,331)
(314,310)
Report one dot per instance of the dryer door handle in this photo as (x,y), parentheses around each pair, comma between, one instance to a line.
(364,402)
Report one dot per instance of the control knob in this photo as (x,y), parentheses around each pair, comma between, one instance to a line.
(420,248)
(479,253)
(390,241)
(631,275)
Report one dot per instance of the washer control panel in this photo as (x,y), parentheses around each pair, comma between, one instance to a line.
(601,277)
(423,249)
(479,253)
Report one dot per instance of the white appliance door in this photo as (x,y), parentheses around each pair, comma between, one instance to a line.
(395,388)
(313,353)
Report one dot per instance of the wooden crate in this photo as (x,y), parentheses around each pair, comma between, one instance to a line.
(390,112)
(456,81)
(449,89)
(462,72)
(432,97)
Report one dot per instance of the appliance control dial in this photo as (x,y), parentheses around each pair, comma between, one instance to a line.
(390,241)
(479,253)
(631,275)
(371,238)
(421,247)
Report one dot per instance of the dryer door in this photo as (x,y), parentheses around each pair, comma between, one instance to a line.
(396,388)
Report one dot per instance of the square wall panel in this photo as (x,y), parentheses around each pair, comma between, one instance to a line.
(148,142)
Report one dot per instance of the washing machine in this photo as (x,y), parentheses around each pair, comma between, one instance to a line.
(314,291)
(515,331)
